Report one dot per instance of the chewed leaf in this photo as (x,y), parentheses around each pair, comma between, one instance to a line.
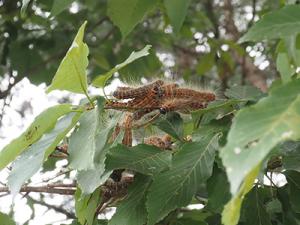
(42,123)
(32,159)
(71,74)
(258,128)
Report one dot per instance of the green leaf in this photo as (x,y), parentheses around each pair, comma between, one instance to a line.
(132,210)
(186,221)
(291,159)
(101,80)
(172,124)
(191,166)
(95,128)
(293,179)
(59,6)
(42,124)
(127,19)
(231,212)
(85,206)
(206,63)
(217,198)
(276,24)
(259,128)
(31,160)
(142,158)
(25,4)
(284,67)
(176,10)
(71,73)
(245,92)
(6,220)
(89,180)
(255,210)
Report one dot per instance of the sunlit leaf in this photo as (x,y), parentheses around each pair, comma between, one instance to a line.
(258,128)
(231,212)
(85,206)
(71,74)
(142,158)
(277,24)
(6,219)
(24,7)
(176,10)
(191,166)
(127,19)
(31,160)
(42,124)
(101,80)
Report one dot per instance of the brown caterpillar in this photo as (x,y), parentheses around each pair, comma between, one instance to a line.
(127,92)
(127,139)
(182,105)
(171,92)
(160,142)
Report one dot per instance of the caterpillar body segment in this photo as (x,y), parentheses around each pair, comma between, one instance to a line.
(163,143)
(203,96)
(127,139)
(182,105)
(129,93)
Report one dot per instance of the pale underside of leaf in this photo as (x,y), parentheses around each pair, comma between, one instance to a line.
(42,123)
(250,140)
(32,158)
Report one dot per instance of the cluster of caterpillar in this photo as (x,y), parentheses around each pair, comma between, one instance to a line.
(159,95)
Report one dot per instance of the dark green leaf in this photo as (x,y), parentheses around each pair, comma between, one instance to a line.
(132,210)
(277,24)
(176,10)
(142,158)
(206,63)
(293,179)
(216,197)
(249,93)
(172,124)
(59,6)
(127,19)
(101,80)
(191,166)
(255,212)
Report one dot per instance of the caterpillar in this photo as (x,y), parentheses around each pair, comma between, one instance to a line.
(129,93)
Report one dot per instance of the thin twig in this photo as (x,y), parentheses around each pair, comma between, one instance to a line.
(56,208)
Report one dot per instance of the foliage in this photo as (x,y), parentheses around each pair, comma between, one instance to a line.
(218,156)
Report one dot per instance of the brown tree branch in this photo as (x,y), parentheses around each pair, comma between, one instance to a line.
(45,189)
